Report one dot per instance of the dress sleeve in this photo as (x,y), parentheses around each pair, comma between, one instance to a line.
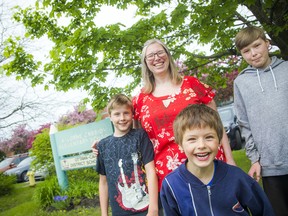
(204,92)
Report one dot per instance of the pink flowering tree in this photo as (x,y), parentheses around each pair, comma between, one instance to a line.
(219,75)
(23,140)
(33,134)
(80,115)
(18,143)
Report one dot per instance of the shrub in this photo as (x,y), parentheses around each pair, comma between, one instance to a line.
(6,183)
(2,155)
(83,183)
(41,148)
(45,193)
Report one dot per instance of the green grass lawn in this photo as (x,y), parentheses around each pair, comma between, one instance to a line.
(241,160)
(21,203)
(21,194)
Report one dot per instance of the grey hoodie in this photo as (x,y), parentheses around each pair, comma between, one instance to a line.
(261,104)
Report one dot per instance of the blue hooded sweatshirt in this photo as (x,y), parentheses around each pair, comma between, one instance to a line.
(231,192)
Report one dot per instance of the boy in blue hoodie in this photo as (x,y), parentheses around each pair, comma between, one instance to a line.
(203,185)
(261,101)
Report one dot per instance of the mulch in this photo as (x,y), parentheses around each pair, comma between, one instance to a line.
(84,203)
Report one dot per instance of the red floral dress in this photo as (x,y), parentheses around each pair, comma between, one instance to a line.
(157,114)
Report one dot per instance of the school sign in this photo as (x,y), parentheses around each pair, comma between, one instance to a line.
(72,148)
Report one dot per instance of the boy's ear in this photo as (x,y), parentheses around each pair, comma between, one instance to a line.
(268,43)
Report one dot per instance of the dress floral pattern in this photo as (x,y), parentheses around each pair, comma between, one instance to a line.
(157,114)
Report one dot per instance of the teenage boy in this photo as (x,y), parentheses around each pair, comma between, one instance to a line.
(261,101)
(203,185)
(120,162)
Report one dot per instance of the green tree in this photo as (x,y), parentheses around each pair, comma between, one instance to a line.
(84,54)
(13,52)
(19,102)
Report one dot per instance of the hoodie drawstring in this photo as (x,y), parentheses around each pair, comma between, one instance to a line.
(259,81)
(275,83)
(274,79)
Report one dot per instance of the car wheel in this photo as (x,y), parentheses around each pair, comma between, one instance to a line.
(24,176)
(238,140)
(232,144)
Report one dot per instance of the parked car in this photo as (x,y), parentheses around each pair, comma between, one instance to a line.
(41,173)
(11,162)
(23,167)
(229,120)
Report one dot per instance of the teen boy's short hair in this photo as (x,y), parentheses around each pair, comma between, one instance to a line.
(119,100)
(196,116)
(247,35)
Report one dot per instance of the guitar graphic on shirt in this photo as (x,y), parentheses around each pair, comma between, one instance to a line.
(126,192)
(140,190)
(134,196)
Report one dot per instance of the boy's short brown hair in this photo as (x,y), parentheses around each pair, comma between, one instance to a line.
(196,116)
(119,100)
(247,35)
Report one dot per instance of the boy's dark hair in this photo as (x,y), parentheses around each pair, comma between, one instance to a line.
(196,116)
(247,35)
(119,100)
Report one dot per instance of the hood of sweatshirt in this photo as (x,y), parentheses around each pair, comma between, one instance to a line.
(274,63)
(220,172)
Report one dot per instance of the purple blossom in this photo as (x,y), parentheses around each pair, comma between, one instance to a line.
(60,198)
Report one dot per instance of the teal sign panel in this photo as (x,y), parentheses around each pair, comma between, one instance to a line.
(80,139)
(69,147)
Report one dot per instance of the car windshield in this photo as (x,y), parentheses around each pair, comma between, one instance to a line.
(5,162)
(25,162)
(226,115)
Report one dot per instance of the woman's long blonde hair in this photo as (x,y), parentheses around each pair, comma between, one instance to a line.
(147,75)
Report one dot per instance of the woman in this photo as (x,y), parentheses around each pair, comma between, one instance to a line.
(164,95)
